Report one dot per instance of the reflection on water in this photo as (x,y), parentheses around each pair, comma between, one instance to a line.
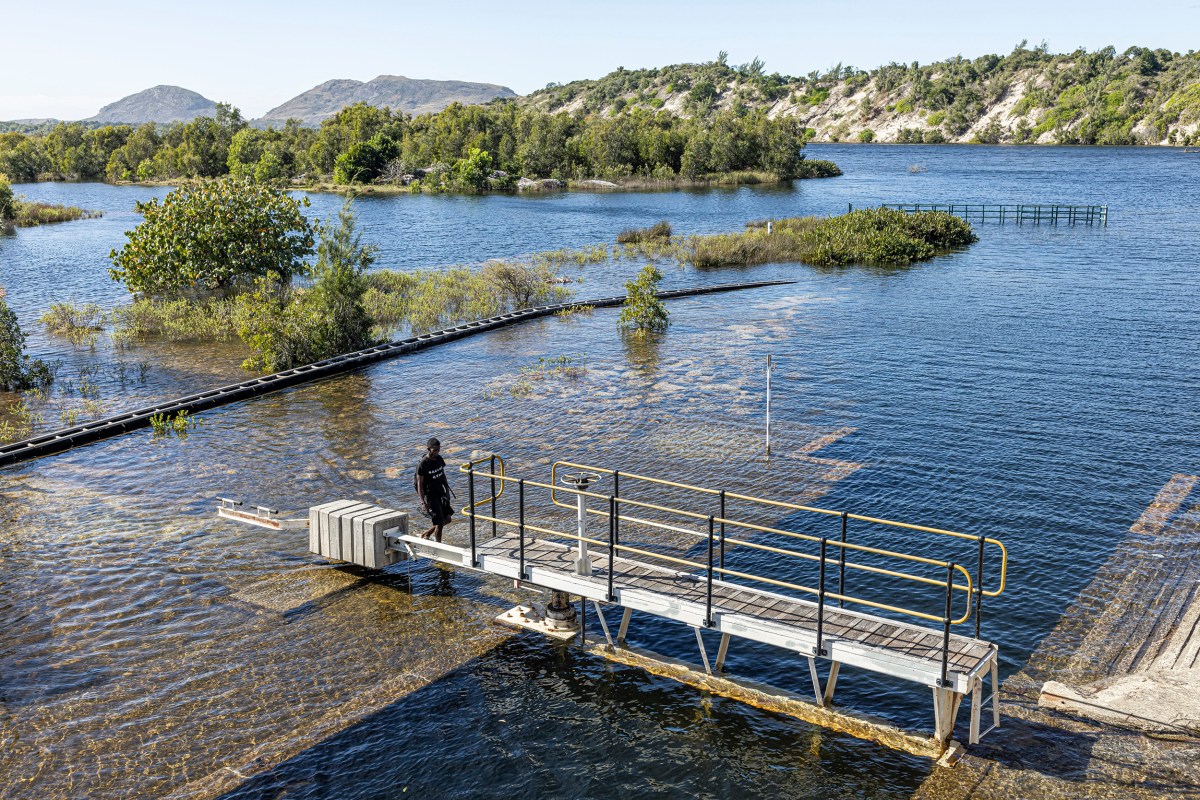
(1038,387)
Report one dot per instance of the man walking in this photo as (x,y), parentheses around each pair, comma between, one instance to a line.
(434,490)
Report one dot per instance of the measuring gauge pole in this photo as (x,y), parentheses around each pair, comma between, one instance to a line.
(770,369)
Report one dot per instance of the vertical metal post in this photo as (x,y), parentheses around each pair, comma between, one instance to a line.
(492,478)
(617,494)
(708,603)
(612,543)
(842,563)
(820,651)
(979,589)
(471,506)
(521,523)
(722,529)
(582,619)
(946,627)
(770,366)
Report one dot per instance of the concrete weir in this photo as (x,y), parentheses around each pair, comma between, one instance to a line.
(1109,704)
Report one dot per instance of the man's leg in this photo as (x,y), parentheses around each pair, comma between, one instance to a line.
(437,533)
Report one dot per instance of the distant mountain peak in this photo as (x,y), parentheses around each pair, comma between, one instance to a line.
(161,104)
(400,93)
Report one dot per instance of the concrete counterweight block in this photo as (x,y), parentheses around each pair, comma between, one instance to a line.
(357,532)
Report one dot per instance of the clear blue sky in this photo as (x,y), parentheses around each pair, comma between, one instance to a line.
(65,59)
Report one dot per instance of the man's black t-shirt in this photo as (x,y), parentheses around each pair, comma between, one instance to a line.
(433,476)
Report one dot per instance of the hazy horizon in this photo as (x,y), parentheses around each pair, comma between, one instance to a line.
(84,57)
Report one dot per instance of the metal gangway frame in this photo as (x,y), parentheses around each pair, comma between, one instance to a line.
(699,592)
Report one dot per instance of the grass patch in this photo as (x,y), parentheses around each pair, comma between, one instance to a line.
(176,320)
(868,236)
(659,230)
(79,324)
(31,213)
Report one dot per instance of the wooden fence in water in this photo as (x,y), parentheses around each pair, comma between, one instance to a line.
(1035,214)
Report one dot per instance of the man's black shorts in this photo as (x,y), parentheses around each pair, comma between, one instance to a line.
(440,510)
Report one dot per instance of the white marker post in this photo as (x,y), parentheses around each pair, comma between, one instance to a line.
(770,369)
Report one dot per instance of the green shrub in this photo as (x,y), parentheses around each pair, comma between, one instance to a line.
(286,327)
(8,205)
(17,370)
(642,311)
(214,237)
(817,168)
(175,320)
(866,136)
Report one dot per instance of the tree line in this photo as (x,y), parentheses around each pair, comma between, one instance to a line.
(468,144)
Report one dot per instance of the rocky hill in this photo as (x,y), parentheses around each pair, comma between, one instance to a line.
(1140,96)
(413,96)
(159,104)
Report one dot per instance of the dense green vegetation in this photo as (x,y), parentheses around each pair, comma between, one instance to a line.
(219,237)
(1137,96)
(868,236)
(463,148)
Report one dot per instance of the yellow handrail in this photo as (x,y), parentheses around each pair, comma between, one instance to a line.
(790,506)
(968,588)
(468,465)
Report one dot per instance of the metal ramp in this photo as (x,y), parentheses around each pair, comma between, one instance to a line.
(629,566)
(862,609)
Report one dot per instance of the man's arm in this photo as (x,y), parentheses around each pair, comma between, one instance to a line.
(421,489)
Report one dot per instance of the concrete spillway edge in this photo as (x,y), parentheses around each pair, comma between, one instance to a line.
(67,438)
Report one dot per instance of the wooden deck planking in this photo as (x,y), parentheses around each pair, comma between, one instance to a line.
(909,641)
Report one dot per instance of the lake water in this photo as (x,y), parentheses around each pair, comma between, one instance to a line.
(1038,387)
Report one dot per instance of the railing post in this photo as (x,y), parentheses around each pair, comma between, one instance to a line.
(820,650)
(979,589)
(708,602)
(471,506)
(492,478)
(617,494)
(946,627)
(842,563)
(722,529)
(612,543)
(521,523)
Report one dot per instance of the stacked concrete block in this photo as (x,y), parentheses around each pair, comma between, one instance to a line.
(349,530)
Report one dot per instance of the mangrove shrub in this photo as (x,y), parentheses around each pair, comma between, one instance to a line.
(215,237)
(17,370)
(642,311)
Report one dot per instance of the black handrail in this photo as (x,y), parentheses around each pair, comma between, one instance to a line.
(820,651)
(492,478)
(842,563)
(979,588)
(612,543)
(945,679)
(521,525)
(722,529)
(708,620)
(471,509)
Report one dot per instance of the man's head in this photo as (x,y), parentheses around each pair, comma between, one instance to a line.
(433,445)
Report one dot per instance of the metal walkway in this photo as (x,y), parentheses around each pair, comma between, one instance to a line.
(636,566)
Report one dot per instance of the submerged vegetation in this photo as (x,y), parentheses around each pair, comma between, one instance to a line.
(21,213)
(642,312)
(17,370)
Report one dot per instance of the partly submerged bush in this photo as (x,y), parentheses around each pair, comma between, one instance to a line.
(659,230)
(17,370)
(868,236)
(642,311)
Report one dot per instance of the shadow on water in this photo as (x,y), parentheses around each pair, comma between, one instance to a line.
(500,727)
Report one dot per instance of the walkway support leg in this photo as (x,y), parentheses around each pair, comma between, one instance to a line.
(722,651)
(624,629)
(816,680)
(703,652)
(831,682)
